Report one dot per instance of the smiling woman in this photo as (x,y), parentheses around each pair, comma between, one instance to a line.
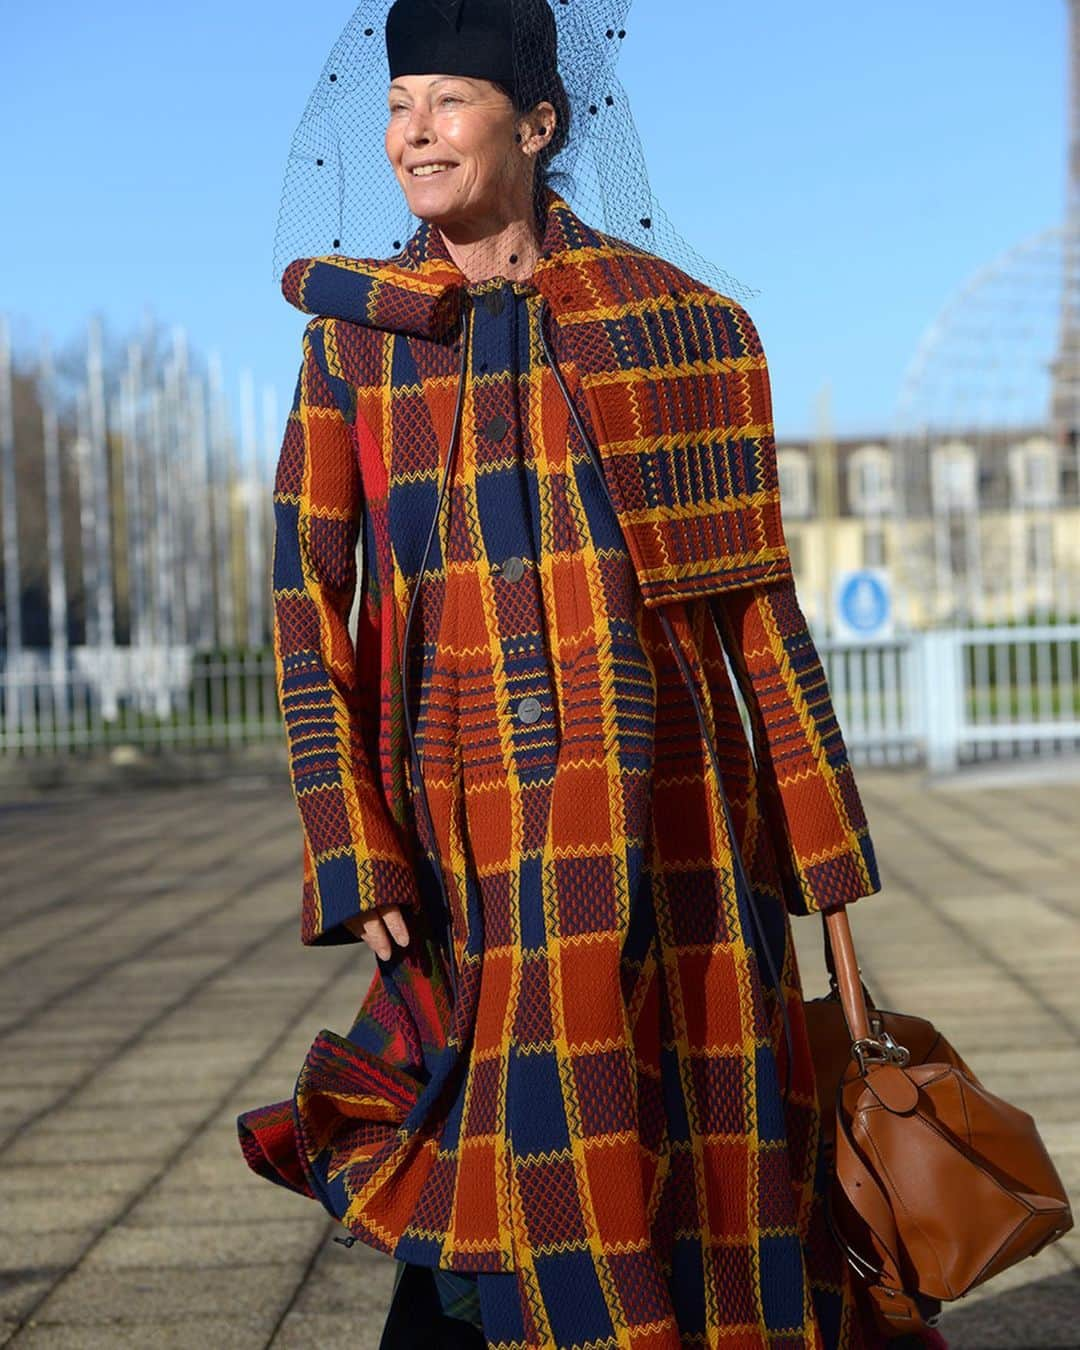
(577,1103)
(466,159)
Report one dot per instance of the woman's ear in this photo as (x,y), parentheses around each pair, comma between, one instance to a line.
(537,128)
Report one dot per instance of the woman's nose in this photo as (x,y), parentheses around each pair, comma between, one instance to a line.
(417,129)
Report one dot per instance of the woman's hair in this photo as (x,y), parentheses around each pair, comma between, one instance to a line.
(553,92)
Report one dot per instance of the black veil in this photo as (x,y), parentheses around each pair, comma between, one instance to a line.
(340,194)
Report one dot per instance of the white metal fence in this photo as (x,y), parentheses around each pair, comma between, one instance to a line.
(954,696)
(136,553)
(942,698)
(136,520)
(149,698)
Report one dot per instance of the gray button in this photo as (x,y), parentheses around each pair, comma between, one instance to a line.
(513,569)
(494,301)
(497,428)
(529,710)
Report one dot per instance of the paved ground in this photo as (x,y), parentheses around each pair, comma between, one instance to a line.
(154,985)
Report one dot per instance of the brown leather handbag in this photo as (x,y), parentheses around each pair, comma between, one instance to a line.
(938,1184)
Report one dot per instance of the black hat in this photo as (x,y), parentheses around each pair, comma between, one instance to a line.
(340,192)
(511,42)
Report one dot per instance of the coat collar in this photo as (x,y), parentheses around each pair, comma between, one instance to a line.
(672,375)
(420,292)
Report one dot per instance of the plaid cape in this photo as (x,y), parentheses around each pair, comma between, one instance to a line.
(627,1033)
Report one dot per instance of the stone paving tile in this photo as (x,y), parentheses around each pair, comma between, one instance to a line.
(20,1250)
(173,1244)
(209,1333)
(359,1330)
(245,1195)
(75,1179)
(1030,1307)
(22,1289)
(43,1145)
(52,1212)
(153,1294)
(339,1274)
(162,1295)
(140,1022)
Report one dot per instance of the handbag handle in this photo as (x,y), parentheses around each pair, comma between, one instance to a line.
(844,968)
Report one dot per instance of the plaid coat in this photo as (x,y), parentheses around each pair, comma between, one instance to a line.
(568,1084)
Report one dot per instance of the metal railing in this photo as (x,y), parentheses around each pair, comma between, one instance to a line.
(136,547)
(953,696)
(941,698)
(149,699)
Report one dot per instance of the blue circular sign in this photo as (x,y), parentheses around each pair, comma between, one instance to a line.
(864,603)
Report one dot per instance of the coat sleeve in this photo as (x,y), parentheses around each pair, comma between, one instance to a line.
(353,855)
(809,798)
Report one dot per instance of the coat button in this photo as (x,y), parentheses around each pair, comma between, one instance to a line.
(513,569)
(528,710)
(497,428)
(494,302)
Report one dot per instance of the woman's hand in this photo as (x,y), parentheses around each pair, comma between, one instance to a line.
(377,926)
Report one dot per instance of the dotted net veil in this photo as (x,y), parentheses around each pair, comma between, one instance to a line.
(341,196)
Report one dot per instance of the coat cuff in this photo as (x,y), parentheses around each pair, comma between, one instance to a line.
(339,888)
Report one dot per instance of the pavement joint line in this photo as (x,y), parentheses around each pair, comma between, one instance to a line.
(219,1104)
(103,877)
(970,862)
(1044,808)
(73,895)
(976,907)
(118,912)
(162,1319)
(96,974)
(141,1032)
(974,942)
(186,816)
(298,1288)
(1044,847)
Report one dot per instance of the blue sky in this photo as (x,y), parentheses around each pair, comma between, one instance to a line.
(855,162)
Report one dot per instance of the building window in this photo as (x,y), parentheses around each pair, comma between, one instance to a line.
(794,470)
(959,548)
(954,477)
(874,548)
(1039,548)
(870,480)
(1033,473)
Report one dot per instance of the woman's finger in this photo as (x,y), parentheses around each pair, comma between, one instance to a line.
(376,936)
(395,923)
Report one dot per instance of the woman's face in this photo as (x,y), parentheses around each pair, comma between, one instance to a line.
(465,128)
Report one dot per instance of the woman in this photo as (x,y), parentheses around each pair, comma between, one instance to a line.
(577,1103)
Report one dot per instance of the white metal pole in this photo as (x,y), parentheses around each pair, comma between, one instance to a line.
(54,543)
(222,486)
(99,488)
(10,524)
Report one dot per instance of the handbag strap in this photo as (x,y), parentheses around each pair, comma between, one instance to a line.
(844,972)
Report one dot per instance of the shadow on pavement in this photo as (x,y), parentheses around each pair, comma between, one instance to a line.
(1044,1315)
